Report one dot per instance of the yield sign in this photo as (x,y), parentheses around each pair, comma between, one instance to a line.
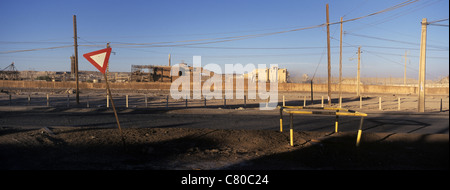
(99,58)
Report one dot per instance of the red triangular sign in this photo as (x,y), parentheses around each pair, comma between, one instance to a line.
(99,58)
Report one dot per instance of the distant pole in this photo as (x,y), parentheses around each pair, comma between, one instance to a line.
(170,73)
(340,68)
(75,44)
(169,59)
(379,103)
(423,47)
(358,75)
(304,101)
(329,58)
(312,93)
(404,79)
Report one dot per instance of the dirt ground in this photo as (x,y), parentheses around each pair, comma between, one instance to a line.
(91,147)
(88,148)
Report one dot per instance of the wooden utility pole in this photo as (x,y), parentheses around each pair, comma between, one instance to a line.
(329,58)
(423,47)
(75,44)
(404,79)
(107,72)
(358,76)
(340,68)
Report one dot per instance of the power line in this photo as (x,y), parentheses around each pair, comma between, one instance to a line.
(233,38)
(370,52)
(432,22)
(230,38)
(28,42)
(391,40)
(399,14)
(432,57)
(36,49)
(446,25)
(405,3)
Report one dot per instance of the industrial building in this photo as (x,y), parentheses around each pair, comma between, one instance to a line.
(273,74)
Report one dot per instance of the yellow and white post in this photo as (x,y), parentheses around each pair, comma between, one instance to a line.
(336,124)
(292,128)
(358,138)
(281,119)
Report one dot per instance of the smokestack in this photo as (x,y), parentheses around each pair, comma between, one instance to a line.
(169,59)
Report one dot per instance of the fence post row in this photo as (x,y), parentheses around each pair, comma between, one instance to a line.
(380,102)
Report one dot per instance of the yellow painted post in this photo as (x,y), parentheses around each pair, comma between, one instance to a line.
(336,123)
(322,101)
(284,104)
(292,128)
(358,138)
(281,119)
(126,97)
(304,101)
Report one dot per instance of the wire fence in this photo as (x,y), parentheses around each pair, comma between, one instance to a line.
(164,101)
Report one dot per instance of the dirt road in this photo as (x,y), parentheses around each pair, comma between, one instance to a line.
(79,138)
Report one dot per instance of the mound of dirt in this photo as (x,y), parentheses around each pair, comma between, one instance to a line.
(83,148)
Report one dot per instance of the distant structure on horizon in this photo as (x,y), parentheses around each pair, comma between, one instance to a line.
(9,73)
(273,74)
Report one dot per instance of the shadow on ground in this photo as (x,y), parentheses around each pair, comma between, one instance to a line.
(180,148)
(378,151)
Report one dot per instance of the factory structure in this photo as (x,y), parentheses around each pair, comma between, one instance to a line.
(273,74)
(155,73)
(142,73)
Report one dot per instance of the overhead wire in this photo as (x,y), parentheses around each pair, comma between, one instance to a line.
(241,37)
(397,41)
(434,22)
(36,49)
(440,20)
(397,15)
(229,38)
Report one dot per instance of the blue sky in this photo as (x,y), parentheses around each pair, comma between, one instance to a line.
(384,38)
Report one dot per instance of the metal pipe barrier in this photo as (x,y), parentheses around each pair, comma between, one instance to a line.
(291,110)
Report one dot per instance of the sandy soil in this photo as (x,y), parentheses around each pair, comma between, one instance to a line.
(83,147)
(207,149)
